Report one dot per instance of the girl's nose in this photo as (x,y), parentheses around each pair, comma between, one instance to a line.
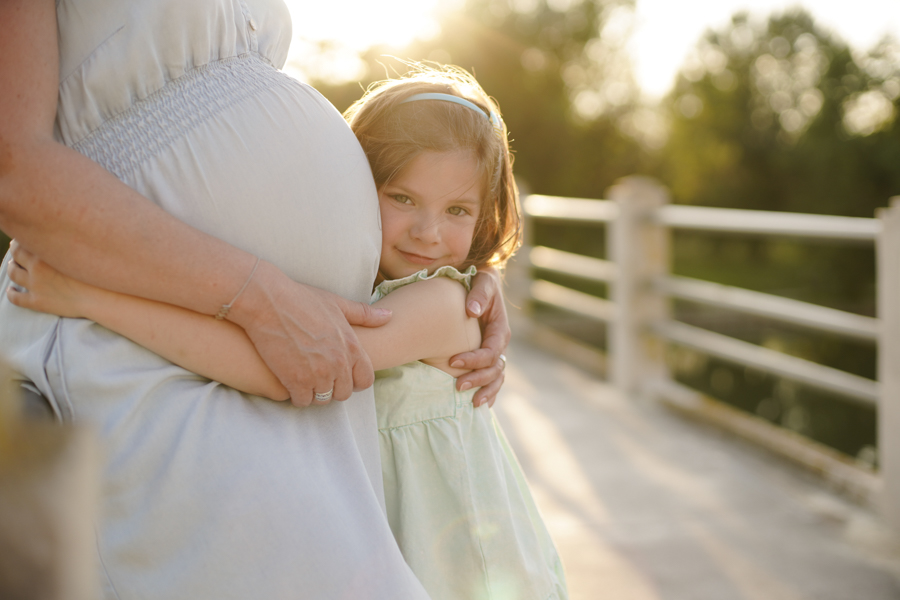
(426,229)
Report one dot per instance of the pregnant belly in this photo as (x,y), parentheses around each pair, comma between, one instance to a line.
(260,160)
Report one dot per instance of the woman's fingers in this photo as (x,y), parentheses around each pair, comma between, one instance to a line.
(476,360)
(485,288)
(323,394)
(494,324)
(302,334)
(492,346)
(358,313)
(488,392)
(486,364)
(489,378)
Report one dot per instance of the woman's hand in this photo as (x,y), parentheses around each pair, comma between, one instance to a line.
(485,301)
(43,288)
(304,336)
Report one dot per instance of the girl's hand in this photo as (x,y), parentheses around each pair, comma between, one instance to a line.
(41,287)
(485,301)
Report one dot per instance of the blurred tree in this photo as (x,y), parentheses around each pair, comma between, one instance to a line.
(783,117)
(554,68)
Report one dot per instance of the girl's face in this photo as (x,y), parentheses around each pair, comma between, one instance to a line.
(428,213)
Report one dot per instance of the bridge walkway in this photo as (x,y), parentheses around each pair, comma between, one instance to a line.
(647,505)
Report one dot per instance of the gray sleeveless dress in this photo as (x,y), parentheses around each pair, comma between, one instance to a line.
(208,493)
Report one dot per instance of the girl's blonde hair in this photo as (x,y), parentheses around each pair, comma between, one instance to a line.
(393,133)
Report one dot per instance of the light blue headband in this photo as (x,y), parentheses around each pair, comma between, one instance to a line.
(493,117)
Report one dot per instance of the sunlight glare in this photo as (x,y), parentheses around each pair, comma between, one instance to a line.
(361,24)
(327,37)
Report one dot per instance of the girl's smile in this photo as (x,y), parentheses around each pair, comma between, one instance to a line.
(429,212)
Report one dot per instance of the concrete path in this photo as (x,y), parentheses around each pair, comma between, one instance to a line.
(645,505)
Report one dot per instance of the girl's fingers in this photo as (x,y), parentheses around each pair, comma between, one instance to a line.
(17,293)
(14,269)
(20,254)
(17,273)
(23,257)
(13,295)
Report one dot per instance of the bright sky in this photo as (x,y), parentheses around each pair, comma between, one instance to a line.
(663,31)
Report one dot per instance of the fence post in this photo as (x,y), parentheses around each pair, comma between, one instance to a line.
(640,249)
(888,258)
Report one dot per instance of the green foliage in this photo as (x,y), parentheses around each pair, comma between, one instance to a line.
(763,120)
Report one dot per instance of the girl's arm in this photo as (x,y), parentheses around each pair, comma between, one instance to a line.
(429,323)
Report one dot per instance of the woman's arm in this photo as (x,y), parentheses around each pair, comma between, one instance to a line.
(429,324)
(91,226)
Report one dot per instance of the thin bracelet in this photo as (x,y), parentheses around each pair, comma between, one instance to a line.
(223,312)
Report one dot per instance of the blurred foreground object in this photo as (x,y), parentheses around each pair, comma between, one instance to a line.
(49,479)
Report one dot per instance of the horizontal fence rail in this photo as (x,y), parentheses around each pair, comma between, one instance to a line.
(733,220)
(571,209)
(573,301)
(859,389)
(575,265)
(786,310)
(639,218)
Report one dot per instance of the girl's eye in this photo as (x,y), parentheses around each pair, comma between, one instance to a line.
(401,199)
(457,211)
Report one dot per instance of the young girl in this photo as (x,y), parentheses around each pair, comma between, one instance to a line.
(456,498)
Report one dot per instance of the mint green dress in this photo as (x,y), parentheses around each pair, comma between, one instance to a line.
(456,497)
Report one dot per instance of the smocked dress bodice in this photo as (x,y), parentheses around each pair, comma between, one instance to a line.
(145,46)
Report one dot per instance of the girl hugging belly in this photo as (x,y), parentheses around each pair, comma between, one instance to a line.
(457,501)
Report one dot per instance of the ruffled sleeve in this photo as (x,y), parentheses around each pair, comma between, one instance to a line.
(386,287)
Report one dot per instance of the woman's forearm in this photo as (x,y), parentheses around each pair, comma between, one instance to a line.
(73,213)
(86,223)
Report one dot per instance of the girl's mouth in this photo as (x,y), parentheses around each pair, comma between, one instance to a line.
(416,258)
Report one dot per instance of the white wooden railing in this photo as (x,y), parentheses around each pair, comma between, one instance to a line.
(639,220)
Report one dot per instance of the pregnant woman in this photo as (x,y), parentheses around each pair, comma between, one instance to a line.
(207,493)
